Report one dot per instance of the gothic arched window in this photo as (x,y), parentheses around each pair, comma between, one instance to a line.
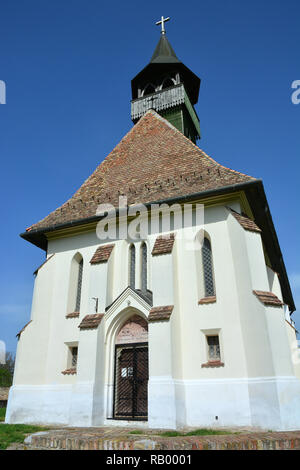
(79,285)
(167,83)
(144,267)
(75,283)
(132,266)
(149,88)
(208,275)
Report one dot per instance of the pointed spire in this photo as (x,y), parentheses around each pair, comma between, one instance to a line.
(164,52)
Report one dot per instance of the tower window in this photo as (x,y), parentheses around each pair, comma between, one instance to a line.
(168,82)
(209,285)
(149,89)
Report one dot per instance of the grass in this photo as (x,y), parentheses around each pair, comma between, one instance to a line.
(196,432)
(2,414)
(16,433)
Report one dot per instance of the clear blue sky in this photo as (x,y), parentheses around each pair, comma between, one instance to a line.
(67,65)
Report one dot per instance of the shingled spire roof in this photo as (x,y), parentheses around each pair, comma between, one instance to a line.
(164,52)
(153,162)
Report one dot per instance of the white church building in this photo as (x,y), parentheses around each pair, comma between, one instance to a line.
(185,326)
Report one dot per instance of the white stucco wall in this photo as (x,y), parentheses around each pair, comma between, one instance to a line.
(257,384)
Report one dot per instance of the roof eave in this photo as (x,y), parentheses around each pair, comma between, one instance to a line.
(38,238)
(259,205)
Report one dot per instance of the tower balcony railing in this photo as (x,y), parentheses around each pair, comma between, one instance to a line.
(163,100)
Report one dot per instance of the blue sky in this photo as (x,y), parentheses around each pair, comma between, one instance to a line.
(67,65)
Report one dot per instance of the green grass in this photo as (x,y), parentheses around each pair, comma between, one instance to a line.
(15,433)
(2,414)
(207,432)
(196,432)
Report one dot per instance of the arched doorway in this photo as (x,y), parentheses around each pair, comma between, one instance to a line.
(131,370)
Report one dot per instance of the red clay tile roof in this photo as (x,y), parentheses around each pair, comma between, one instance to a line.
(102,254)
(213,364)
(208,300)
(245,221)
(73,315)
(71,371)
(268,298)
(163,245)
(91,321)
(153,162)
(160,313)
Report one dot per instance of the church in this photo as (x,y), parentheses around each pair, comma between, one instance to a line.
(153,330)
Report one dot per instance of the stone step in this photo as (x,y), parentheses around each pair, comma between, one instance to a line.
(57,440)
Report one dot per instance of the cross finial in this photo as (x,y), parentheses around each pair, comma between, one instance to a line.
(162,22)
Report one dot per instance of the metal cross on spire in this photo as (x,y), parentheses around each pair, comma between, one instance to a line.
(162,22)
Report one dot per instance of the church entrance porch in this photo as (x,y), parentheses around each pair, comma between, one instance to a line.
(130,370)
(131,382)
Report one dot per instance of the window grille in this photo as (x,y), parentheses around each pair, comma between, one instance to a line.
(79,284)
(213,348)
(74,352)
(132,266)
(209,286)
(144,267)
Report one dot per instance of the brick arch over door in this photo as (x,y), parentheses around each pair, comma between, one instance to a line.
(134,330)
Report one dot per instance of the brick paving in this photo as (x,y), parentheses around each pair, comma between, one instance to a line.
(108,438)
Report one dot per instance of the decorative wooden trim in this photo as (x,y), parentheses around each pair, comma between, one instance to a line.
(268,298)
(160,313)
(91,321)
(208,300)
(210,364)
(102,254)
(71,371)
(73,315)
(163,244)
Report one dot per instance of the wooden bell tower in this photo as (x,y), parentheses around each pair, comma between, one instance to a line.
(169,87)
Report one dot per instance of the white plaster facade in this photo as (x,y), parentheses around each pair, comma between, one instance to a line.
(258,384)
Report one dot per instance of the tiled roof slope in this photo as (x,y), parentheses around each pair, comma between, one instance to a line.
(245,221)
(153,162)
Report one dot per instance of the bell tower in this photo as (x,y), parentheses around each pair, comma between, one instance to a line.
(169,87)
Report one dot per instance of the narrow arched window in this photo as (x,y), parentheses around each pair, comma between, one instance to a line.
(149,89)
(168,82)
(144,267)
(75,283)
(79,285)
(208,276)
(132,266)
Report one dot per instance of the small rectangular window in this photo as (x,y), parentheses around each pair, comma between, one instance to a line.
(213,348)
(74,355)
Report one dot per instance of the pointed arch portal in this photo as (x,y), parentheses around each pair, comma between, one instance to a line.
(131,370)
